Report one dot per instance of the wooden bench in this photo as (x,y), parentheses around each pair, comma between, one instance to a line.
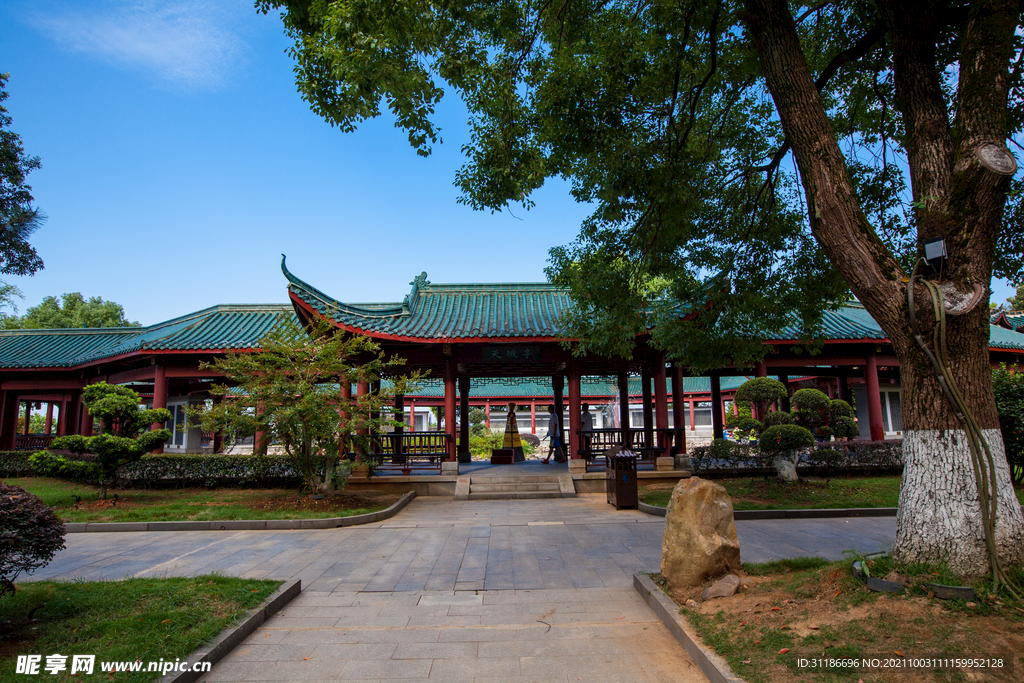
(408,452)
(595,443)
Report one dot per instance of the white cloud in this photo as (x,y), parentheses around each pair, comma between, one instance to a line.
(184,43)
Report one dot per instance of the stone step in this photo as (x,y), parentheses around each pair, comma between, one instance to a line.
(514,479)
(502,488)
(515,495)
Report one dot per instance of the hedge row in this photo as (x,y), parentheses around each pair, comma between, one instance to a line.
(187,470)
(834,456)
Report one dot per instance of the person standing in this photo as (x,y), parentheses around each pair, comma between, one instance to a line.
(586,425)
(554,435)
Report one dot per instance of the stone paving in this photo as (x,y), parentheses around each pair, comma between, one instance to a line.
(516,590)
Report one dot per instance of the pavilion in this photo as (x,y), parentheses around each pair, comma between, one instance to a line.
(467,336)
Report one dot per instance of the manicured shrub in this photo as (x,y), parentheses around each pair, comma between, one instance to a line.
(845,428)
(839,408)
(30,535)
(785,438)
(777,418)
(61,466)
(762,392)
(530,439)
(209,470)
(827,459)
(15,464)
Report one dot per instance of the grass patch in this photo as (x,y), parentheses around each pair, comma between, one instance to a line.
(817,610)
(160,505)
(761,494)
(135,619)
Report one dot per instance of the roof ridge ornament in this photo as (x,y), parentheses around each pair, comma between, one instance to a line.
(418,282)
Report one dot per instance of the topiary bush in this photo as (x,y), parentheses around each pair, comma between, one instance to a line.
(15,464)
(187,469)
(61,466)
(31,534)
(762,392)
(783,443)
(530,439)
(779,417)
(839,408)
(845,428)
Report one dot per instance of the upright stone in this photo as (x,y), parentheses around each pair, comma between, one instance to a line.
(700,534)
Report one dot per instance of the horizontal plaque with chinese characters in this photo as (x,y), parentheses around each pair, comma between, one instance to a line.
(510,354)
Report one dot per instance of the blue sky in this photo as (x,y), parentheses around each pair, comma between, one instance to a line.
(179,162)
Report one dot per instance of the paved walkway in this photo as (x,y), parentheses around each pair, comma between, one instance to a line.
(519,590)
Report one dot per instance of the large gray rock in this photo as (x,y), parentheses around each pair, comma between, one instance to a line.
(700,534)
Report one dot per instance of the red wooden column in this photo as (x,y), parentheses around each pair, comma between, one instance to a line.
(218,436)
(49,418)
(9,420)
(661,405)
(843,389)
(874,397)
(557,385)
(645,381)
(487,412)
(623,381)
(717,418)
(678,408)
(693,418)
(71,426)
(575,418)
(159,398)
(464,415)
(533,417)
(362,389)
(86,422)
(786,407)
(449,407)
(412,415)
(62,416)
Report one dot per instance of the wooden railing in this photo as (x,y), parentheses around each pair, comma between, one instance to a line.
(409,451)
(33,442)
(648,444)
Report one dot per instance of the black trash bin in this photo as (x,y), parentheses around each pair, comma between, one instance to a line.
(620,477)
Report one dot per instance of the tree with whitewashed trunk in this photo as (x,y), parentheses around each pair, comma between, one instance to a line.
(770,156)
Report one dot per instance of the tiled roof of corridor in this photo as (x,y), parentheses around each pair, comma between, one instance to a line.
(238,326)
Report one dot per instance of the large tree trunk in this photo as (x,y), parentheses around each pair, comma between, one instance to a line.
(959,199)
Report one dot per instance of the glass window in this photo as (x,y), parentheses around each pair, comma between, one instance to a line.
(895,411)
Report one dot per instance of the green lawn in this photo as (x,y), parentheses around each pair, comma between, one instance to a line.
(761,494)
(135,619)
(160,505)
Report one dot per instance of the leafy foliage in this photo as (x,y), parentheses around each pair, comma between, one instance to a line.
(1016,302)
(778,417)
(18,217)
(291,389)
(69,311)
(1009,390)
(60,466)
(30,536)
(125,434)
(785,438)
(762,392)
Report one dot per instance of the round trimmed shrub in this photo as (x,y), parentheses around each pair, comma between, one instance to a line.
(839,408)
(30,536)
(845,427)
(762,392)
(777,418)
(814,401)
(723,449)
(785,438)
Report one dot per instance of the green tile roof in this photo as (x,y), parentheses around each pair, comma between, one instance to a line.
(448,311)
(218,327)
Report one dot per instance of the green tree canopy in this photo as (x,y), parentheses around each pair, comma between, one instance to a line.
(292,389)
(69,311)
(1016,302)
(125,434)
(751,163)
(18,217)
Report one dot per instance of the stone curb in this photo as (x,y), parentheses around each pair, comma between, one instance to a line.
(231,637)
(243,525)
(790,514)
(714,667)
